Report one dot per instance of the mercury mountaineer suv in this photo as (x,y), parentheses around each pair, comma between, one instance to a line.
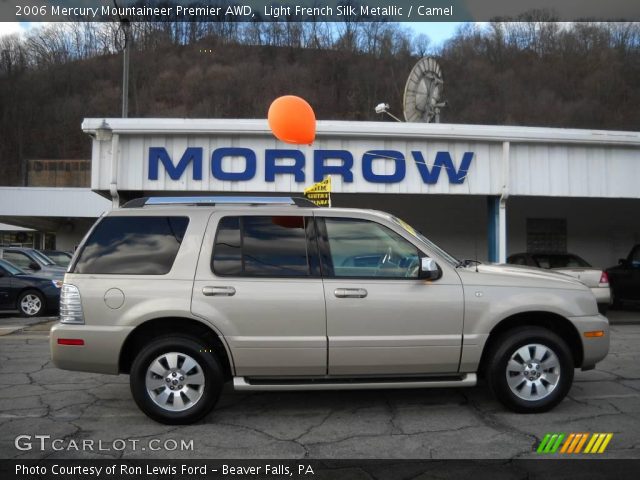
(185,294)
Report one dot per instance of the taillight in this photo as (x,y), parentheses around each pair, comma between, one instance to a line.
(604,278)
(71,341)
(70,305)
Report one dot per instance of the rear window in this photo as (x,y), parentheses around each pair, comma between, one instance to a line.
(560,261)
(132,245)
(267,246)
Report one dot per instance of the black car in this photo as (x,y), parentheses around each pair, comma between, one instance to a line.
(625,278)
(32,262)
(31,295)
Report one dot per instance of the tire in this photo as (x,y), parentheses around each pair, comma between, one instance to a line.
(31,303)
(538,383)
(152,377)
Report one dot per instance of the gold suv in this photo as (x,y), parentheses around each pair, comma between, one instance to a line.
(185,294)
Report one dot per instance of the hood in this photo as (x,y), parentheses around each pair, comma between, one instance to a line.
(517,276)
(36,278)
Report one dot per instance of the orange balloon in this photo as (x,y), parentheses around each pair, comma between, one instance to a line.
(292,120)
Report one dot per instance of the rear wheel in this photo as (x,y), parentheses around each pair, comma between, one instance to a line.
(530,369)
(31,303)
(176,380)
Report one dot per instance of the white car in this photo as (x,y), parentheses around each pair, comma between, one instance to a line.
(569,264)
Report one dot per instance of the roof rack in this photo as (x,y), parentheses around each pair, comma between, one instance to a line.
(218,200)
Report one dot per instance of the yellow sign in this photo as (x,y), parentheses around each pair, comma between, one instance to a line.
(320,193)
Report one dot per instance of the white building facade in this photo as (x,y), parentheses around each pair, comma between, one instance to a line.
(479,191)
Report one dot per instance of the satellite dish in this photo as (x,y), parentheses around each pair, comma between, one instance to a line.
(423,92)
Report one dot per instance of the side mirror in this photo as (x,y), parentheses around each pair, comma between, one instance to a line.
(429,269)
(34,266)
(622,261)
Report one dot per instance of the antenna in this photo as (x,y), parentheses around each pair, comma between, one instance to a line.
(422,100)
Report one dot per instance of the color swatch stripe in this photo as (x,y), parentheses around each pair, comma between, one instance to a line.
(584,439)
(605,442)
(573,443)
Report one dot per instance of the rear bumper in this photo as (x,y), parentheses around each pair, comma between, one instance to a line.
(100,352)
(602,294)
(594,348)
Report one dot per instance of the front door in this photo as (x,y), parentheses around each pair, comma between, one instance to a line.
(381,318)
(5,290)
(258,280)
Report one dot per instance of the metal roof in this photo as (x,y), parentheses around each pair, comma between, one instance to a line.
(497,133)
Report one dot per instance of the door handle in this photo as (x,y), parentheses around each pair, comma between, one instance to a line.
(350,292)
(218,291)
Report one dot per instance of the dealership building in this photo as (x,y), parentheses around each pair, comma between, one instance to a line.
(482,192)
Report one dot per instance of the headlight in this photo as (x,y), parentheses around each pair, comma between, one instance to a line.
(57,283)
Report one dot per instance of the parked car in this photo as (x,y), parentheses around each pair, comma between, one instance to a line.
(275,294)
(569,264)
(58,256)
(625,278)
(32,262)
(32,296)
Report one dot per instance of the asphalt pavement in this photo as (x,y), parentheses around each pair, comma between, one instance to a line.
(50,413)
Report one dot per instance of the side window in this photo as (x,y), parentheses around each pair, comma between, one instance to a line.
(261,246)
(132,246)
(542,261)
(20,260)
(635,257)
(361,248)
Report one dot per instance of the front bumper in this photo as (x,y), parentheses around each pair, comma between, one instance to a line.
(594,348)
(99,354)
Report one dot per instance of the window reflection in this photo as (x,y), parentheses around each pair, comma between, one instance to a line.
(274,246)
(133,245)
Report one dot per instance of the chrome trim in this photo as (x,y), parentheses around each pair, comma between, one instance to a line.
(466,380)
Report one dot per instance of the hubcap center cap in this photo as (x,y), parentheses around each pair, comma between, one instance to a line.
(175,379)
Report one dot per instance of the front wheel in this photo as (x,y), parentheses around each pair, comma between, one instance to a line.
(530,369)
(31,303)
(176,380)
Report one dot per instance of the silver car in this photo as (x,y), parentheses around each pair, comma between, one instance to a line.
(569,264)
(185,294)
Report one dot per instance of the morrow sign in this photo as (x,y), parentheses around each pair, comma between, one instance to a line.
(294,162)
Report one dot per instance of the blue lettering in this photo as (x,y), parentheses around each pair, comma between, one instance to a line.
(430,173)
(159,154)
(320,170)
(249,169)
(271,169)
(367,166)
(443,160)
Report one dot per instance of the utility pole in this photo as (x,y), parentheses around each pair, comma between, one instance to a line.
(126,27)
(124,33)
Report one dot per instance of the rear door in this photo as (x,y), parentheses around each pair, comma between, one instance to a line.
(381,318)
(629,278)
(258,280)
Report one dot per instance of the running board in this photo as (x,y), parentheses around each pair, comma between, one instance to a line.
(254,384)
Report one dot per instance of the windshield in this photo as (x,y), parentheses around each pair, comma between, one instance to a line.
(11,268)
(43,258)
(430,245)
(60,258)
